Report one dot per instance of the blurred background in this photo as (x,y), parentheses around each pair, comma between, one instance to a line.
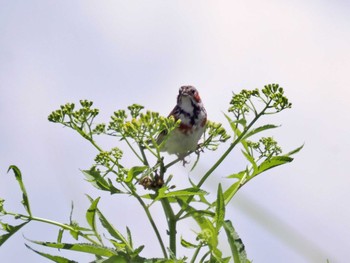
(116,53)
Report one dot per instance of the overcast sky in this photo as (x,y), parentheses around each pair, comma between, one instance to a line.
(121,52)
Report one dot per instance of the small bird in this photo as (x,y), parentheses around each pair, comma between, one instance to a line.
(190,110)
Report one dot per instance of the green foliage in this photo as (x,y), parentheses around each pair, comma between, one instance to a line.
(237,247)
(138,130)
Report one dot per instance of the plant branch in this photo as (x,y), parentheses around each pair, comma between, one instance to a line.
(150,218)
(223,157)
(51,222)
(171,220)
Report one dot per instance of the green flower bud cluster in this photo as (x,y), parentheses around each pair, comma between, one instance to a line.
(214,135)
(272,95)
(240,102)
(135,110)
(99,128)
(105,157)
(142,127)
(266,147)
(117,122)
(80,120)
(275,93)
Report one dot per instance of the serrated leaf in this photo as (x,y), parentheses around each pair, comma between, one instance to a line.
(260,129)
(237,247)
(220,209)
(18,176)
(11,230)
(57,259)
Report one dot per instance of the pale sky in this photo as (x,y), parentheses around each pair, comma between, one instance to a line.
(116,53)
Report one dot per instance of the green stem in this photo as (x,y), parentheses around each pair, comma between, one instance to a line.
(145,161)
(171,224)
(172,163)
(222,158)
(194,257)
(132,149)
(95,145)
(233,145)
(51,222)
(153,224)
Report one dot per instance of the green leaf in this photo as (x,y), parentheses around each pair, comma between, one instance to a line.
(110,228)
(113,259)
(208,234)
(237,175)
(260,129)
(57,259)
(134,171)
(162,193)
(95,178)
(220,209)
(60,235)
(112,188)
(187,244)
(128,232)
(203,212)
(80,247)
(18,176)
(231,191)
(113,231)
(233,125)
(295,150)
(91,212)
(237,247)
(271,163)
(250,159)
(91,215)
(137,250)
(11,230)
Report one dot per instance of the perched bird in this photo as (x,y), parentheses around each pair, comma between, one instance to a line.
(190,110)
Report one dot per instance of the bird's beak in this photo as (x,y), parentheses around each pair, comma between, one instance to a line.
(184,93)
